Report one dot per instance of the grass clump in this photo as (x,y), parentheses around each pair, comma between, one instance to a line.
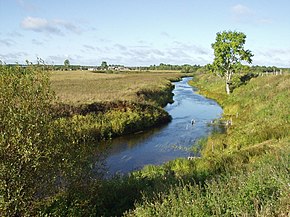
(102,121)
(262,190)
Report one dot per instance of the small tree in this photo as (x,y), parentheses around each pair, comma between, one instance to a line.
(66,63)
(229,52)
(104,65)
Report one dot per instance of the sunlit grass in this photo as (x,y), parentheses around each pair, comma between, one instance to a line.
(242,172)
(80,87)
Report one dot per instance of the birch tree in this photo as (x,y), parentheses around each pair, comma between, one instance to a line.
(229,54)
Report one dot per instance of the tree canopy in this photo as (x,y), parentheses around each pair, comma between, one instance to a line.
(229,53)
(104,65)
(66,63)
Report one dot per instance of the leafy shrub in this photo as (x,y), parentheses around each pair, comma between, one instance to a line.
(38,157)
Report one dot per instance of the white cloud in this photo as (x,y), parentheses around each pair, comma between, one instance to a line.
(27,6)
(13,57)
(89,47)
(36,42)
(279,57)
(39,25)
(7,42)
(48,26)
(191,48)
(175,53)
(14,34)
(244,14)
(241,10)
(67,25)
(264,21)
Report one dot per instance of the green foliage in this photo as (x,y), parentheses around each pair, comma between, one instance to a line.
(66,63)
(25,134)
(160,97)
(104,65)
(229,52)
(186,68)
(210,86)
(38,157)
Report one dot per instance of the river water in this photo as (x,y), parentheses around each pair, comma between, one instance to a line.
(171,141)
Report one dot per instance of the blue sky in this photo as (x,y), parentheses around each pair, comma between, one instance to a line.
(140,32)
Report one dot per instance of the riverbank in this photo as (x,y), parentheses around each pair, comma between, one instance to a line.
(236,175)
(191,117)
(244,171)
(106,120)
(124,103)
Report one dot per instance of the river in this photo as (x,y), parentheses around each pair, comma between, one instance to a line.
(159,145)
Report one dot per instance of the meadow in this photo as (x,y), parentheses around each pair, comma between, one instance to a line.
(80,87)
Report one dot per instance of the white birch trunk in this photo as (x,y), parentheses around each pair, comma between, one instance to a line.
(228,88)
(228,81)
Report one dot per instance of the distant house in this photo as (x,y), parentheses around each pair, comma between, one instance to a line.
(118,68)
(93,69)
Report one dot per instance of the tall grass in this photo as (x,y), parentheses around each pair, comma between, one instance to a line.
(101,121)
(262,190)
(107,105)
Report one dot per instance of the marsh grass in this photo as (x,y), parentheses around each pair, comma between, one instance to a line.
(79,87)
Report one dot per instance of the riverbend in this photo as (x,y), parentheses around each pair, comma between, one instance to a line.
(191,117)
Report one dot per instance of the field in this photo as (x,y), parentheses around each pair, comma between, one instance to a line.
(79,87)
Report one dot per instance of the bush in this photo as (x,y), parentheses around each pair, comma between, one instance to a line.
(38,157)
(25,130)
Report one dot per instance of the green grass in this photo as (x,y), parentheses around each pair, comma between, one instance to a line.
(242,172)
(101,121)
(262,190)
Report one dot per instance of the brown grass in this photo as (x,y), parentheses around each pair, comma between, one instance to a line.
(79,87)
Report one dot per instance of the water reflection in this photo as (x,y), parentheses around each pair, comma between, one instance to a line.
(174,140)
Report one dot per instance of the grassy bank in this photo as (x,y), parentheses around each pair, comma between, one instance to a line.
(243,172)
(105,120)
(50,162)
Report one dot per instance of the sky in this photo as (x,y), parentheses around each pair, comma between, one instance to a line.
(140,32)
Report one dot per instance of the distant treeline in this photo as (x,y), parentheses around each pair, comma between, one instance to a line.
(186,68)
